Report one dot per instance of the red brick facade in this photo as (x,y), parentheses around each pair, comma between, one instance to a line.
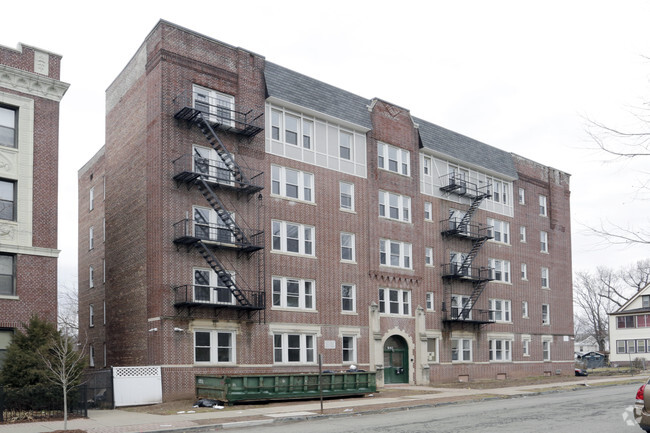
(146,324)
(31,89)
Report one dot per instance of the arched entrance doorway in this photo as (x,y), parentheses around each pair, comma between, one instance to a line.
(396,365)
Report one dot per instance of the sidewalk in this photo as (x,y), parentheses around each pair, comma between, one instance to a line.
(122,421)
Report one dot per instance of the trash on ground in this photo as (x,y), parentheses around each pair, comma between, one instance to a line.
(208,402)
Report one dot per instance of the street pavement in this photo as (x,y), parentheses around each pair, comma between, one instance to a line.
(123,421)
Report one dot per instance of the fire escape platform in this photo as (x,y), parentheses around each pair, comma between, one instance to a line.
(236,122)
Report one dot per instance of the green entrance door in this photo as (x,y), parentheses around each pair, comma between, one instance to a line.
(396,367)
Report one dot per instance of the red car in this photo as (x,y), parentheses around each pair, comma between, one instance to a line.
(642,407)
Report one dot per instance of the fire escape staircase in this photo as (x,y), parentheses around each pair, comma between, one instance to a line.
(224,275)
(203,183)
(465,230)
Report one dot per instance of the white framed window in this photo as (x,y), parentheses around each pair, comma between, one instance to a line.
(524,271)
(546,314)
(294,293)
(219,107)
(92,198)
(393,159)
(522,196)
(429,301)
(546,349)
(500,350)
(104,312)
(545,278)
(214,346)
(91,315)
(294,348)
(211,166)
(428,256)
(394,206)
(395,301)
(349,347)
(346,140)
(290,183)
(543,241)
(276,124)
(91,355)
(524,309)
(499,230)
(428,211)
(346,200)
(395,253)
(348,298)
(500,270)
(210,289)
(348,247)
(291,131)
(432,350)
(103,270)
(522,234)
(500,191)
(525,343)
(458,303)
(292,128)
(543,210)
(645,301)
(461,349)
(426,166)
(91,238)
(104,229)
(8,200)
(8,126)
(292,238)
(307,133)
(500,310)
(91,277)
(208,225)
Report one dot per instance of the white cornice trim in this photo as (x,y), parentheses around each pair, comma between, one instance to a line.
(32,251)
(31,83)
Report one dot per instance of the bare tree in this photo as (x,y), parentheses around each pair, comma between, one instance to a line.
(65,365)
(68,311)
(620,145)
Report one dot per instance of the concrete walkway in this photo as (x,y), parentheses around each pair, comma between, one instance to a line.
(122,421)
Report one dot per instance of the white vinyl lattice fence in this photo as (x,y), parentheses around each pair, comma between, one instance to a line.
(137,385)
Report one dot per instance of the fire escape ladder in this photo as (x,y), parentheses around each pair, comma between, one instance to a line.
(464,268)
(218,206)
(221,150)
(476,202)
(224,276)
(479,286)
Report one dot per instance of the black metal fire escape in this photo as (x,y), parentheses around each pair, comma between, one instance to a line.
(213,180)
(462,270)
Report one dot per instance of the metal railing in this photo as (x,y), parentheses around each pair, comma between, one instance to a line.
(31,403)
(188,231)
(455,270)
(456,227)
(458,184)
(223,115)
(192,166)
(215,296)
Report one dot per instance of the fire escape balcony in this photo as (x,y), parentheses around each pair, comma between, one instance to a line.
(454,271)
(188,168)
(187,232)
(470,315)
(457,183)
(243,122)
(192,296)
(456,227)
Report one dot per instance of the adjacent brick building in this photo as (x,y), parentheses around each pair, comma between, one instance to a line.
(256,218)
(30,93)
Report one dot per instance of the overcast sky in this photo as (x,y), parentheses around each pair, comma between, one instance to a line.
(520,75)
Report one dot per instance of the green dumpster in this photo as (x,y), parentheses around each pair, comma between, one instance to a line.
(283,386)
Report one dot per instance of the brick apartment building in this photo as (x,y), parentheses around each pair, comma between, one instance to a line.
(30,93)
(244,218)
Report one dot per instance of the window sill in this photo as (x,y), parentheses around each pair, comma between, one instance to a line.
(350,313)
(293,309)
(397,316)
(294,200)
(395,220)
(285,253)
(389,267)
(10,297)
(349,262)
